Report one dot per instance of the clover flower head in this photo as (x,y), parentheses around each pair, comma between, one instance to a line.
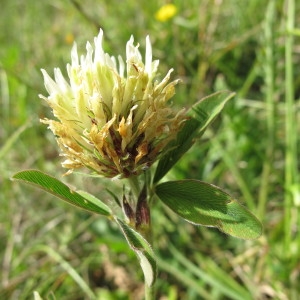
(111,116)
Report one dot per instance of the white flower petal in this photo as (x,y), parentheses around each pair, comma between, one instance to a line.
(99,53)
(74,56)
(148,56)
(110,61)
(49,83)
(61,81)
(121,66)
(89,56)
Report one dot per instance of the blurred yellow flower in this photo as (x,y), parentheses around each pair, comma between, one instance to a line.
(69,38)
(113,123)
(166,12)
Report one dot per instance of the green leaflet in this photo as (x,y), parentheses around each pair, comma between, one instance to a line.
(59,189)
(201,115)
(184,141)
(89,202)
(143,251)
(205,204)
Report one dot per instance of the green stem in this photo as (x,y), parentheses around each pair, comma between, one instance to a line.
(146,232)
(290,130)
(149,292)
(270,108)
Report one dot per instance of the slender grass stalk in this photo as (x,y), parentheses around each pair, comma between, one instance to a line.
(10,142)
(229,161)
(68,268)
(290,131)
(252,75)
(184,277)
(270,107)
(4,93)
(224,285)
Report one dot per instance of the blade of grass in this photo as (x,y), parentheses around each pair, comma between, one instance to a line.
(270,107)
(184,277)
(4,92)
(229,161)
(13,139)
(290,132)
(241,285)
(225,286)
(68,268)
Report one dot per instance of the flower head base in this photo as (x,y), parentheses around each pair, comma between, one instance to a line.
(112,123)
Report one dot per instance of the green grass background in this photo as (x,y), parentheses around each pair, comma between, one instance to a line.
(250,47)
